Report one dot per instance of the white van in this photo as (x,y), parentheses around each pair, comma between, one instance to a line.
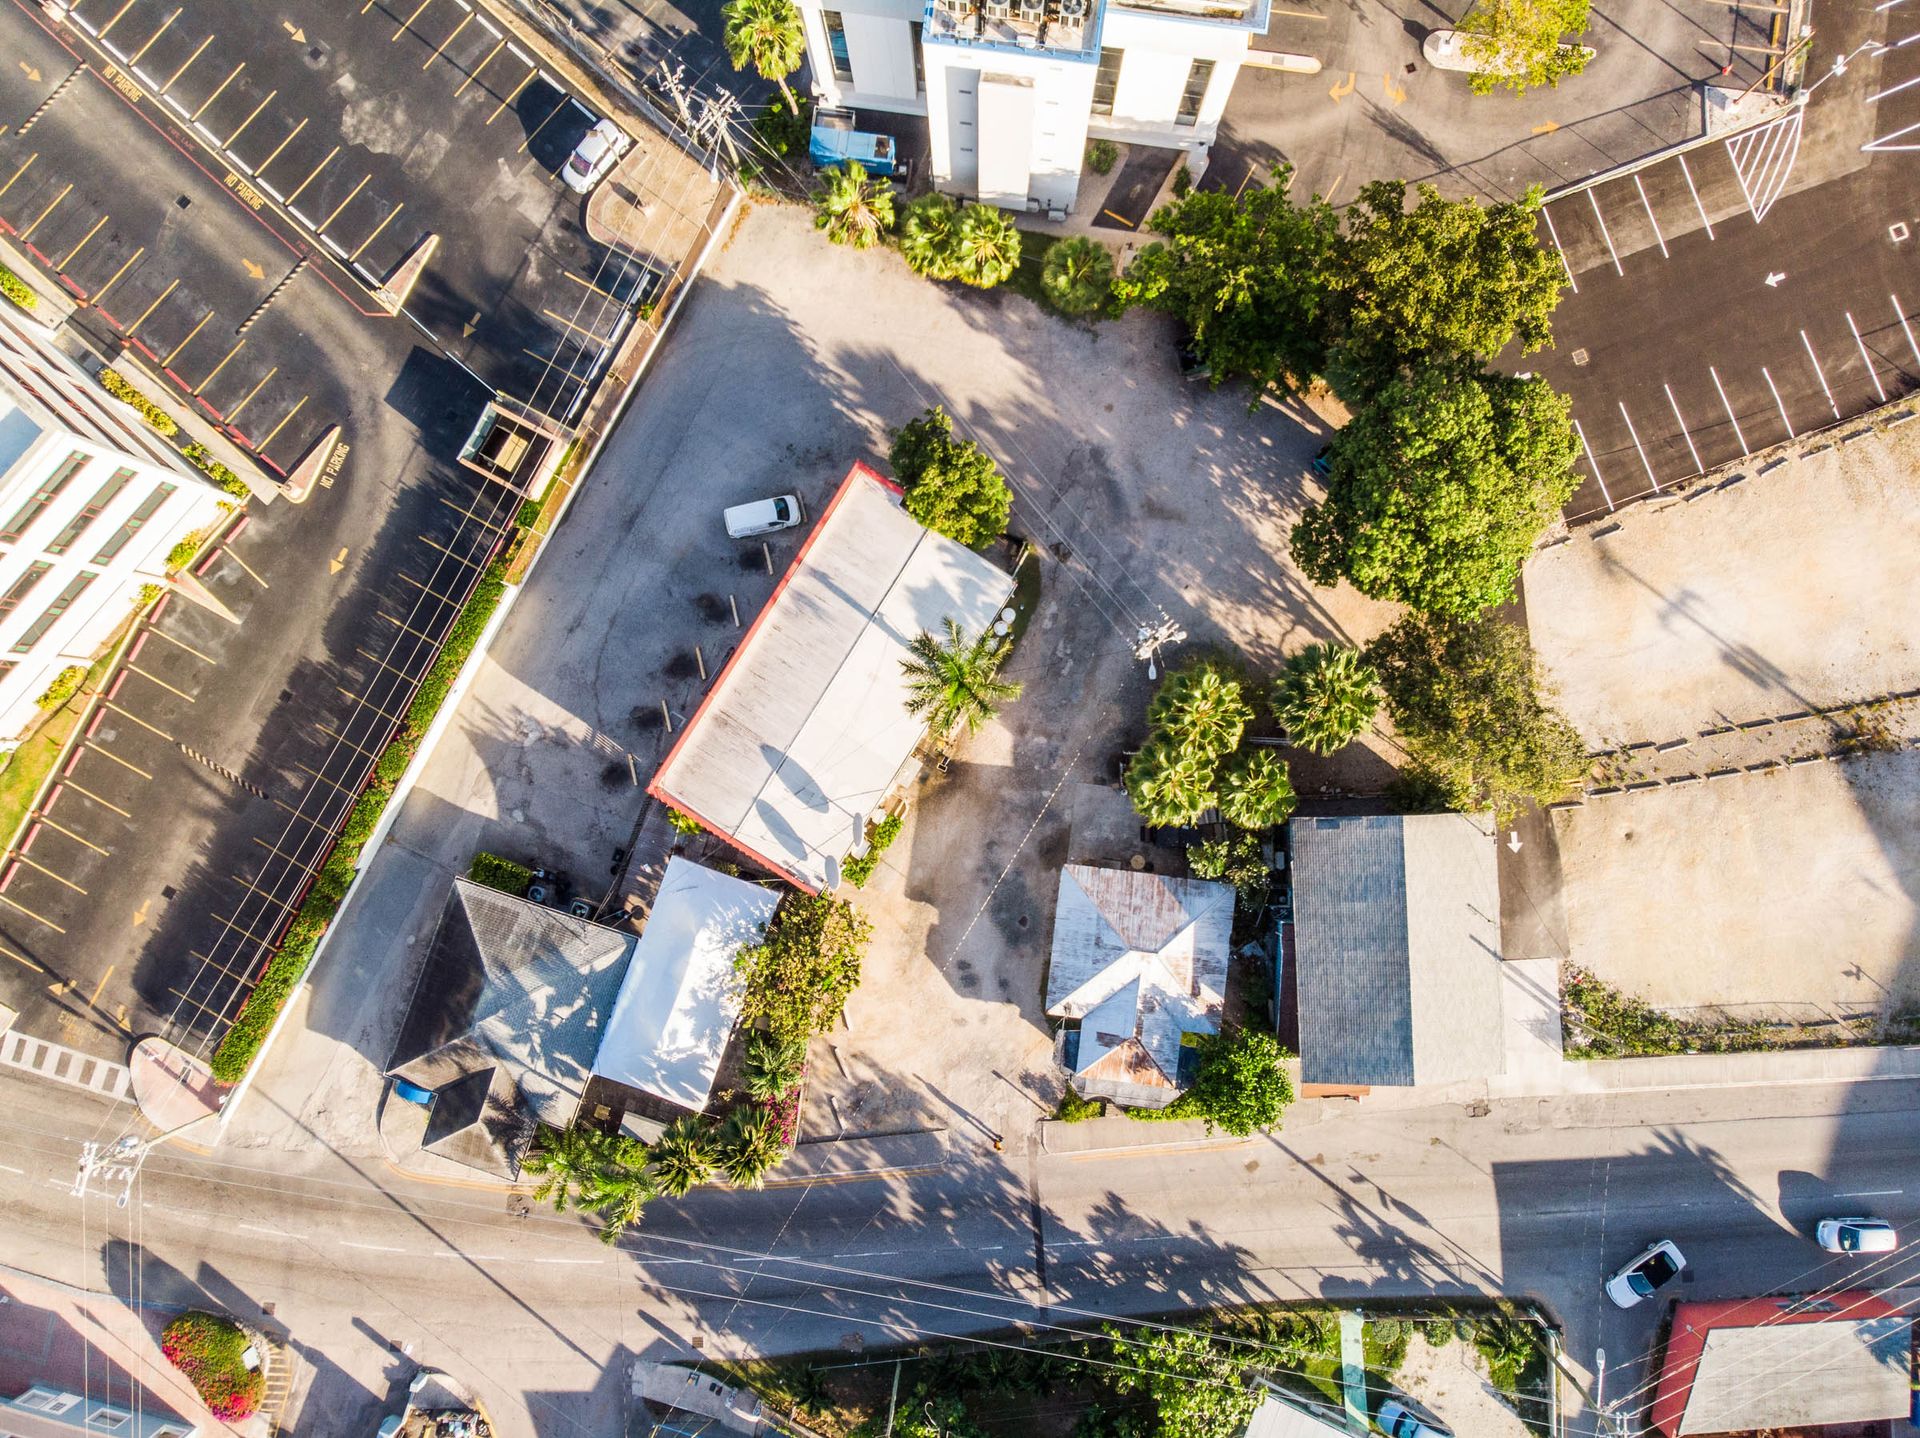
(763,516)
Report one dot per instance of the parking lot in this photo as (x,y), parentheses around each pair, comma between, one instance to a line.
(152,886)
(1748,291)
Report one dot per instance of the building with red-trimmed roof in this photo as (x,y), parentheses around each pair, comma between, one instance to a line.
(805,733)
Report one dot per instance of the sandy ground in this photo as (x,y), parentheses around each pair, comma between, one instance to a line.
(1452,1381)
(1787,590)
(1788,891)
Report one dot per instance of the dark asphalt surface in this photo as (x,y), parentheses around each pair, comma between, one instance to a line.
(186,829)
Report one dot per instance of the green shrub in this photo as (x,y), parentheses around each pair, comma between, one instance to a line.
(18,290)
(115,384)
(683,823)
(1100,156)
(498,873)
(1077,278)
(1075,1109)
(181,555)
(65,685)
(148,594)
(858,871)
(201,458)
(211,1351)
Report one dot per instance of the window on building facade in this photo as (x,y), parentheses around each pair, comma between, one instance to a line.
(110,1420)
(919,61)
(108,492)
(37,630)
(148,508)
(48,1402)
(837,45)
(1199,76)
(43,496)
(21,587)
(1106,80)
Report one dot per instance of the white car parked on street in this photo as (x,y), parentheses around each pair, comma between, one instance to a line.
(1650,1272)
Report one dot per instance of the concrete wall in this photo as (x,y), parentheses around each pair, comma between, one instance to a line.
(880,47)
(1158,52)
(1054,97)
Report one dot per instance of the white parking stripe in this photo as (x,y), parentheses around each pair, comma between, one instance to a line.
(1872,373)
(1698,468)
(1637,445)
(1592,464)
(1658,237)
(1603,233)
(1731,416)
(1900,314)
(1555,235)
(1832,404)
(1893,90)
(1778,401)
(1696,196)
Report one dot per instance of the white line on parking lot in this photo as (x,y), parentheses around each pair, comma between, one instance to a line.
(1637,445)
(1659,238)
(1729,409)
(1872,1193)
(1893,90)
(1698,468)
(1592,463)
(1696,196)
(1867,359)
(1603,233)
(1832,404)
(1768,377)
(1555,237)
(1900,313)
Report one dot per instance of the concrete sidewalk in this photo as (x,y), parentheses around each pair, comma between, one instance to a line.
(843,1159)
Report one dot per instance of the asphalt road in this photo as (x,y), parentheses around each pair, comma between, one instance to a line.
(1537,1198)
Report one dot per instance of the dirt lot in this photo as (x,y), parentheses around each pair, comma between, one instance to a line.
(1788,590)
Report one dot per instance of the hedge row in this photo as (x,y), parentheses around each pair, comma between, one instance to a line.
(18,290)
(115,384)
(242,1042)
(201,458)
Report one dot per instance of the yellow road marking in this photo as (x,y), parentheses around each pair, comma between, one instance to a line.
(153,679)
(128,714)
(311,178)
(582,329)
(116,19)
(1344,88)
(187,341)
(528,79)
(590,285)
(234,413)
(27,233)
(37,918)
(253,889)
(539,127)
(408,22)
(102,293)
(21,958)
(83,243)
(249,120)
(1547,129)
(19,172)
(1300,14)
(469,514)
(105,803)
(258,448)
(148,311)
(275,852)
(339,738)
(183,66)
(217,93)
(1394,93)
(222,365)
(403,628)
(450,39)
(228,551)
(328,221)
(42,868)
(381,663)
(245,933)
(1121,218)
(261,172)
(109,754)
(376,231)
(63,829)
(165,25)
(181,644)
(1331,189)
(362,700)
(100,987)
(481,66)
(337,788)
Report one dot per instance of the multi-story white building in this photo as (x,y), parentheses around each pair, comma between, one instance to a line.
(91,500)
(1013,89)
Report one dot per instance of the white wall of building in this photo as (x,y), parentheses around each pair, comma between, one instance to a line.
(1049,96)
(880,48)
(1158,53)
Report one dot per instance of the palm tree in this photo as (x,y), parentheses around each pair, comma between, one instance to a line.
(929,235)
(956,679)
(1077,276)
(767,35)
(772,1066)
(987,249)
(749,1147)
(1171,783)
(568,1162)
(852,208)
(681,1158)
(1256,792)
(1202,707)
(1326,697)
(620,1192)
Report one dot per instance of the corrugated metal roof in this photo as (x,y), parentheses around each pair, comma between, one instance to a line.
(807,726)
(1397,944)
(1800,1375)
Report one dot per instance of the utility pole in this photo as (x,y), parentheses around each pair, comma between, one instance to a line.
(1149,640)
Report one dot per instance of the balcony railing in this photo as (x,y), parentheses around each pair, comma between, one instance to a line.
(1056,26)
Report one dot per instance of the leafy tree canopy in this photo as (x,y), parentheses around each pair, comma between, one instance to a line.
(1467,700)
(1524,44)
(1445,282)
(851,206)
(1077,276)
(1240,1086)
(1202,705)
(953,486)
(1171,784)
(956,680)
(1256,792)
(1234,860)
(1326,697)
(929,235)
(1247,274)
(768,35)
(798,977)
(1438,489)
(1197,1384)
(986,248)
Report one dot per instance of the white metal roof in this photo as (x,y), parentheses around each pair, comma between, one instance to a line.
(680,999)
(807,726)
(1800,1375)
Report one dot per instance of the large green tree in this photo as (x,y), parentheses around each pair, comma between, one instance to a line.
(1240,1086)
(1325,697)
(567,1162)
(682,1158)
(1438,489)
(1170,783)
(986,247)
(748,1147)
(1468,701)
(766,34)
(621,1190)
(953,486)
(928,235)
(955,680)
(772,1067)
(1077,276)
(1196,1383)
(851,206)
(1445,282)
(798,976)
(1256,791)
(1523,44)
(1247,274)
(1203,705)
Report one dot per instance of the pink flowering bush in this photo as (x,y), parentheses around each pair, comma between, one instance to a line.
(784,1113)
(208,1348)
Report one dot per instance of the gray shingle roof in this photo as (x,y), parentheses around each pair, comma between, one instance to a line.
(1396,948)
